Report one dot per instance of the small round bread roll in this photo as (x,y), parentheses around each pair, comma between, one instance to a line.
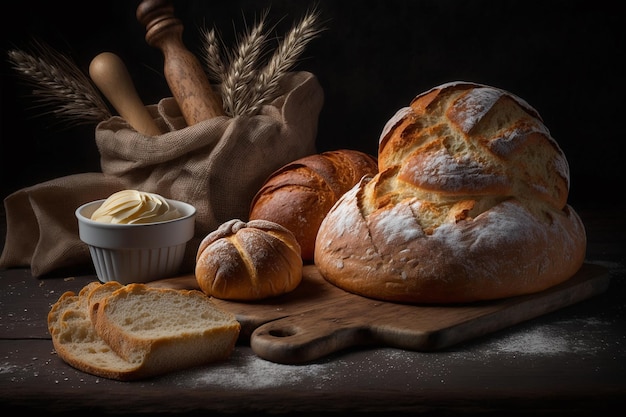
(300,194)
(470,203)
(248,261)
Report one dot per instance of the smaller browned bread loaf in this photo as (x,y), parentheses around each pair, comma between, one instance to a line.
(248,261)
(299,195)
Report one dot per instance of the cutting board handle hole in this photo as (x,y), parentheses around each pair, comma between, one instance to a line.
(280,333)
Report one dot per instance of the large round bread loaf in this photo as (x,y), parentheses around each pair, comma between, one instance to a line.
(470,204)
(248,261)
(299,195)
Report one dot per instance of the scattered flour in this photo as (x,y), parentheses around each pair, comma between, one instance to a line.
(7,368)
(245,372)
(551,339)
(537,341)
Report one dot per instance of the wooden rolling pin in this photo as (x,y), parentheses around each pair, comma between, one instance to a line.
(111,76)
(183,72)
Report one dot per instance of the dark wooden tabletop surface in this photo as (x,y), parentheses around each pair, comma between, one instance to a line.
(568,362)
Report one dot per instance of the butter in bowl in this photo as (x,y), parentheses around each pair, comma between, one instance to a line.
(135,236)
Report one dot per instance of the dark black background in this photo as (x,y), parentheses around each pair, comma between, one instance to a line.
(563,57)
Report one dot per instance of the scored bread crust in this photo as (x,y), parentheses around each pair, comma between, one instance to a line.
(470,203)
(300,194)
(248,261)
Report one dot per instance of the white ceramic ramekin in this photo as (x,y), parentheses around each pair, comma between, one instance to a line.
(130,253)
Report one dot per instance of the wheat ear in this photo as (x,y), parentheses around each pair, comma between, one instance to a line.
(60,86)
(289,50)
(243,61)
(212,56)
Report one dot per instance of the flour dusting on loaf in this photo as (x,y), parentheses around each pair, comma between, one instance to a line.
(248,261)
(470,203)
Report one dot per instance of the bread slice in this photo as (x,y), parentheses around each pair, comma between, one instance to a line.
(163,329)
(78,342)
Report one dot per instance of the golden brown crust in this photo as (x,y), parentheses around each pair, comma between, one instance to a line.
(248,261)
(299,195)
(469,204)
(76,342)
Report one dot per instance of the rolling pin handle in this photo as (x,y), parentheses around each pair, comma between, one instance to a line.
(184,74)
(111,76)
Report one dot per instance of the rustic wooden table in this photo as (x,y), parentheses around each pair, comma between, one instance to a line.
(568,362)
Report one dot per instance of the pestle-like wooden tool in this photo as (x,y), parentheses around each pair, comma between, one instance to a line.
(109,73)
(183,72)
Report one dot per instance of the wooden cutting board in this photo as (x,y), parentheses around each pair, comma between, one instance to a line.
(317,318)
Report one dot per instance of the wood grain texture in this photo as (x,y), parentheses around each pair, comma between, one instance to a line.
(184,73)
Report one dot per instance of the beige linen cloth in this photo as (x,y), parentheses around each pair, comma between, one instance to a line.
(217,166)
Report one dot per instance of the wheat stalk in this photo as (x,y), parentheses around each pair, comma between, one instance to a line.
(59,85)
(212,56)
(267,82)
(241,70)
(245,84)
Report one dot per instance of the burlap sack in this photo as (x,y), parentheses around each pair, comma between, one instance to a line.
(216,165)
